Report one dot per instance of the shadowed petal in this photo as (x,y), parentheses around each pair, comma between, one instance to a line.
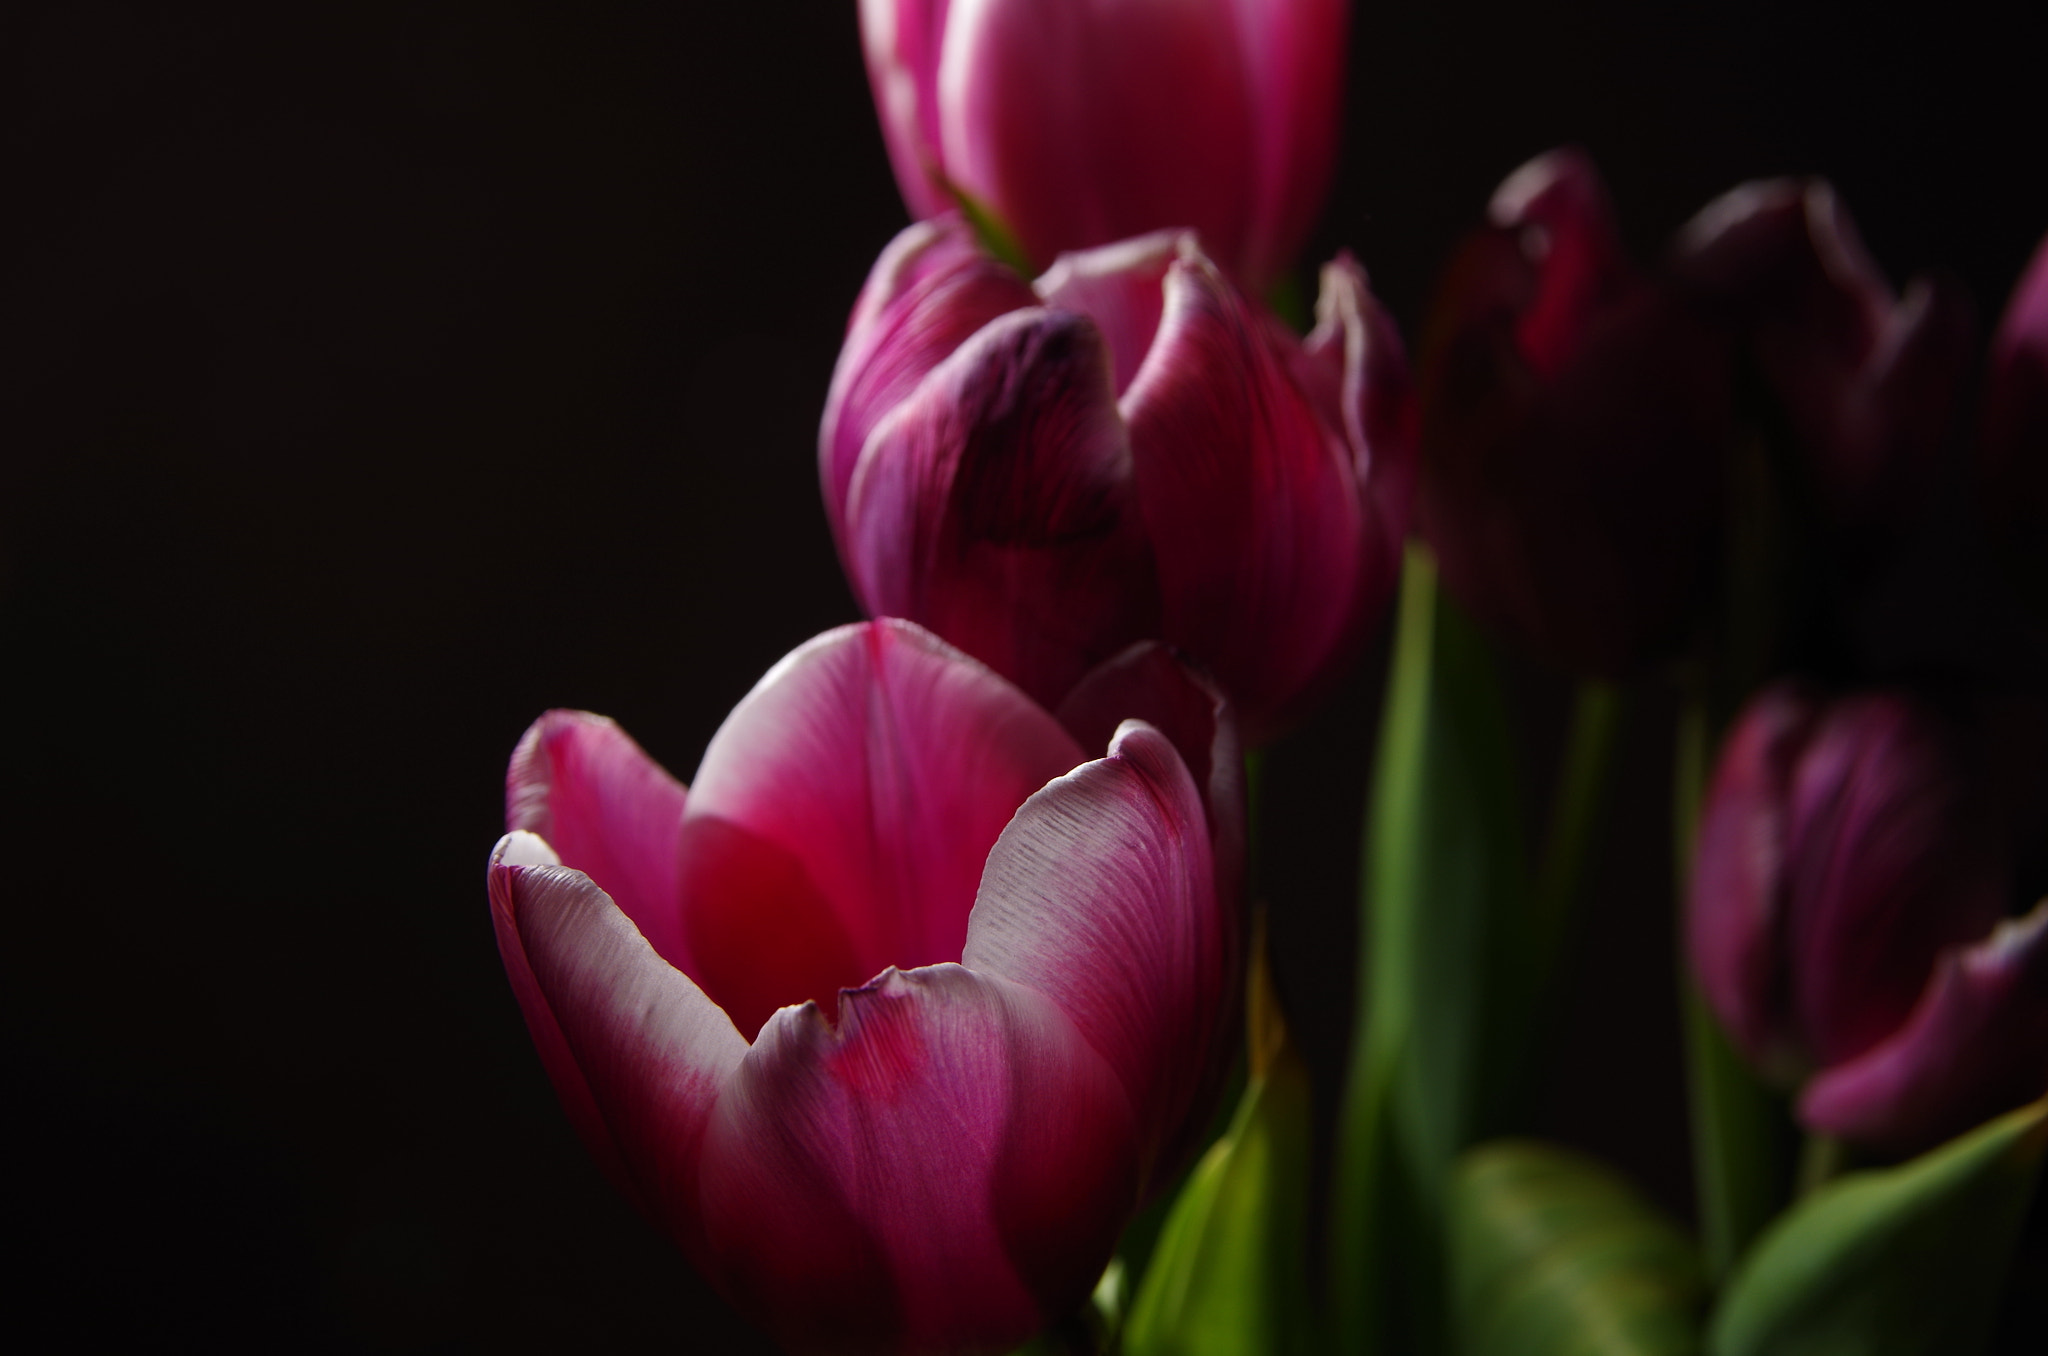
(1294,54)
(1101,895)
(1976,1045)
(995,506)
(2014,461)
(947,1170)
(880,764)
(636,1050)
(609,811)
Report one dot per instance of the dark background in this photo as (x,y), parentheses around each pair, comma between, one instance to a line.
(375,376)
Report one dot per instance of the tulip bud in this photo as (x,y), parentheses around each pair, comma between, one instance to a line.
(896,1014)
(1078,124)
(1131,450)
(1868,381)
(1844,859)
(1573,418)
(2013,452)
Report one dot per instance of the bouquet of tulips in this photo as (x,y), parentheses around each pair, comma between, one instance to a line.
(933,1015)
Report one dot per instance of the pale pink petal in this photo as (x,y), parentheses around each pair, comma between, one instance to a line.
(1976,1045)
(1085,124)
(609,811)
(932,288)
(1120,287)
(901,40)
(879,765)
(1101,895)
(995,506)
(637,1052)
(947,1170)
(1294,58)
(1252,503)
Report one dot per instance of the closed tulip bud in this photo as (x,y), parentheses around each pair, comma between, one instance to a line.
(1079,124)
(1127,449)
(893,1017)
(1573,420)
(1845,864)
(1868,381)
(2013,450)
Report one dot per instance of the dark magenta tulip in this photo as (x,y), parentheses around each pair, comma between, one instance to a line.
(1573,419)
(896,1014)
(1127,449)
(2012,466)
(1848,874)
(1868,380)
(1076,123)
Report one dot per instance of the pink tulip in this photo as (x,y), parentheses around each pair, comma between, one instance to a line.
(1081,122)
(1846,865)
(1127,449)
(1573,418)
(1868,380)
(895,1016)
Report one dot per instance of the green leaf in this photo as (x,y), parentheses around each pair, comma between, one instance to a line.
(1894,1262)
(1554,1255)
(1229,1275)
(1446,946)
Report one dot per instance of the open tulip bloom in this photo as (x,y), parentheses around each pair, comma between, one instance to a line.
(1128,448)
(895,1016)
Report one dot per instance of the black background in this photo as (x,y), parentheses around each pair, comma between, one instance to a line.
(375,376)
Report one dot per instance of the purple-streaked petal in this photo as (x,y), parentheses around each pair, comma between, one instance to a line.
(1735,909)
(870,771)
(1101,895)
(1251,502)
(1120,287)
(609,811)
(995,506)
(1085,124)
(1887,866)
(947,1170)
(1294,57)
(2014,466)
(932,288)
(637,1052)
(1976,1045)
(901,40)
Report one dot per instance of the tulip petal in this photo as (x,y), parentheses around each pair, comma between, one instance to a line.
(945,1170)
(1251,503)
(609,811)
(1084,124)
(932,288)
(901,40)
(1121,288)
(872,770)
(994,506)
(2015,442)
(637,1052)
(1294,57)
(1101,895)
(1976,1045)
(1557,207)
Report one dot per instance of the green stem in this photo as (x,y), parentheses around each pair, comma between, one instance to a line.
(1821,1160)
(1737,1140)
(1582,784)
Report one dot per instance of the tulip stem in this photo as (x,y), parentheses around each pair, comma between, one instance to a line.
(1739,1167)
(1821,1159)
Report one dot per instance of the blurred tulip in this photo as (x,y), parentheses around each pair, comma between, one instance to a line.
(2012,467)
(1076,123)
(1129,449)
(889,1038)
(1573,421)
(1845,862)
(1868,381)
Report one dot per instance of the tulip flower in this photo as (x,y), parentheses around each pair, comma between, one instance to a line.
(1573,420)
(895,1015)
(1078,124)
(1867,380)
(1127,449)
(2013,451)
(1846,920)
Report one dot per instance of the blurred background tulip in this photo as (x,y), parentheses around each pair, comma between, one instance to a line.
(1128,448)
(1078,122)
(1845,916)
(1573,421)
(2013,448)
(891,1040)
